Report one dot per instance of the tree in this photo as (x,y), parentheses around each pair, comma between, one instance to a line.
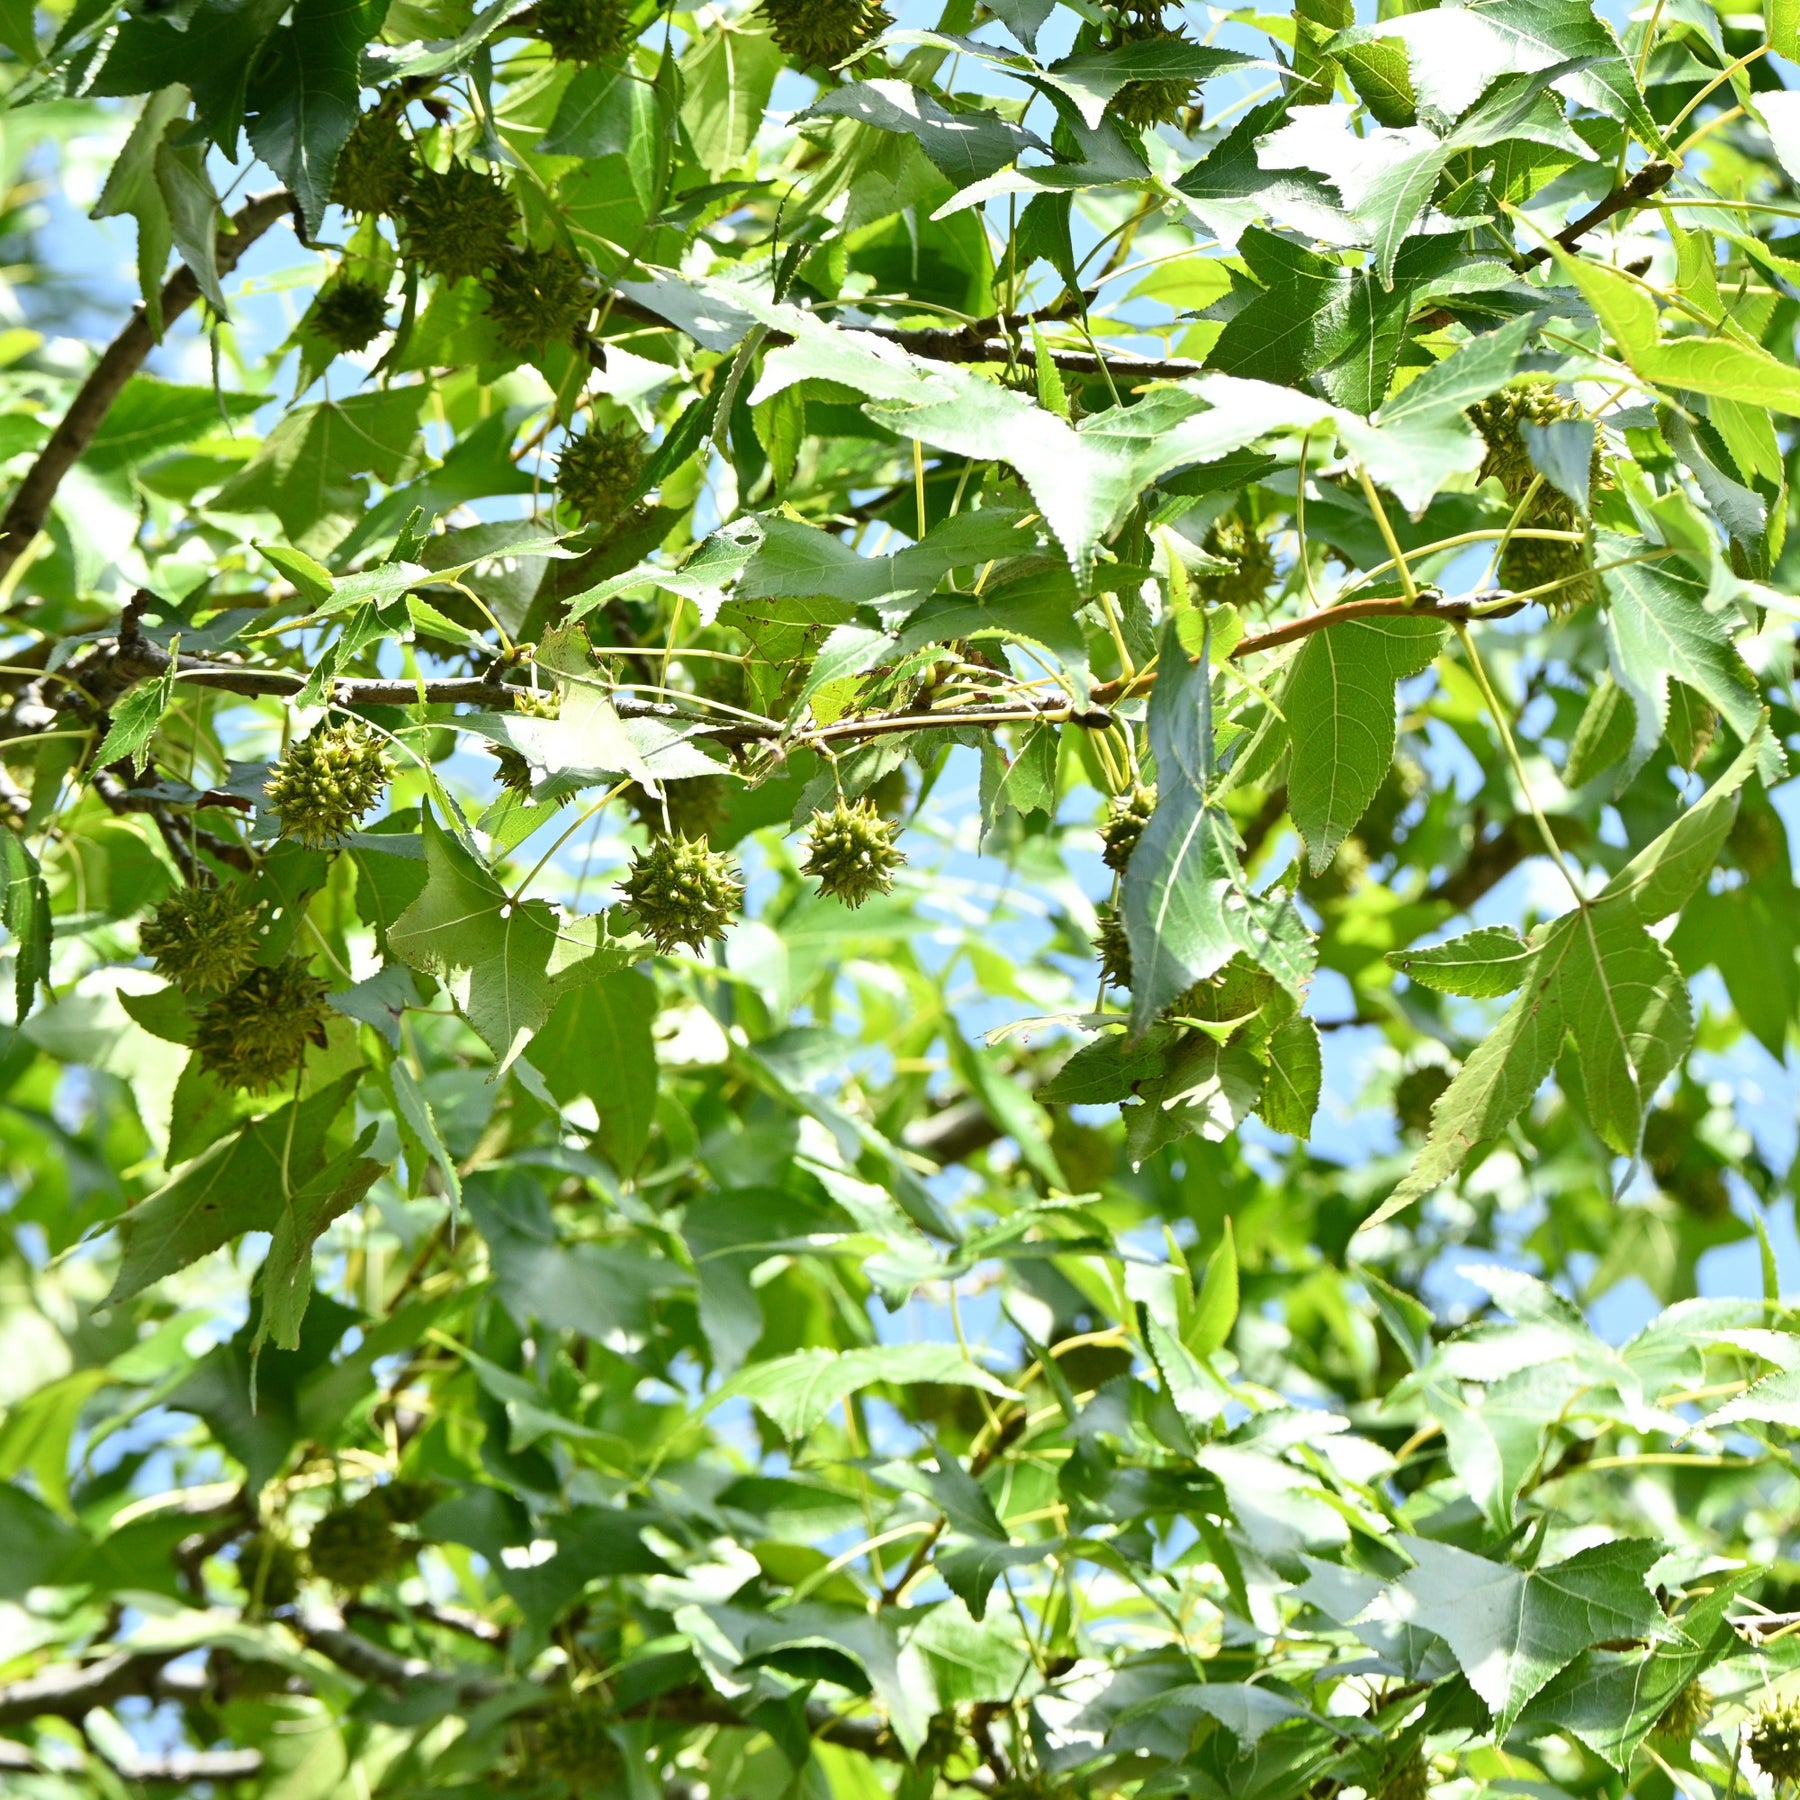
(906,927)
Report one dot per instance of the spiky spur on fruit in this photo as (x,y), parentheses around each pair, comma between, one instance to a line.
(538,297)
(682,892)
(326,782)
(852,852)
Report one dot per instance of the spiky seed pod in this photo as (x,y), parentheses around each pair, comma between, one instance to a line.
(538,297)
(819,34)
(513,772)
(1758,840)
(690,808)
(597,473)
(326,782)
(573,1745)
(1529,563)
(269,1569)
(852,853)
(1408,1779)
(1113,948)
(350,313)
(1126,816)
(1536,562)
(1237,541)
(537,703)
(402,1501)
(1142,104)
(458,221)
(1685,1714)
(1498,418)
(202,939)
(682,892)
(584,30)
(355,1547)
(1416,1093)
(375,168)
(1775,1740)
(254,1036)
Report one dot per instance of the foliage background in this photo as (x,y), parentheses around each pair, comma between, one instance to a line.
(687,1381)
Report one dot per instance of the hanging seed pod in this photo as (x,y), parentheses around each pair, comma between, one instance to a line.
(254,1036)
(1775,1740)
(326,782)
(538,297)
(1685,1715)
(350,313)
(375,168)
(1113,947)
(597,473)
(1408,1779)
(682,892)
(1126,816)
(1416,1093)
(202,939)
(458,221)
(355,1547)
(1142,104)
(584,31)
(852,852)
(571,1744)
(1528,563)
(269,1569)
(1238,542)
(819,34)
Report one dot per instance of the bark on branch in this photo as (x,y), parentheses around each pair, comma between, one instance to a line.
(124,356)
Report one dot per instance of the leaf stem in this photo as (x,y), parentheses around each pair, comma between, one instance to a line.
(1504,727)
(1398,563)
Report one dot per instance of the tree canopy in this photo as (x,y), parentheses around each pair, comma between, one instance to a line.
(897,901)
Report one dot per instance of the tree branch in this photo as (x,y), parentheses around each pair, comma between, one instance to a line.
(123,357)
(1651,179)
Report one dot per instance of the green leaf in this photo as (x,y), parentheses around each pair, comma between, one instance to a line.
(1291,1089)
(1216,1307)
(1339,701)
(1598,974)
(1612,1701)
(303,98)
(1604,734)
(1454,53)
(234,1187)
(136,717)
(25,912)
(797,1391)
(967,146)
(728,78)
(1484,963)
(598,1042)
(287,1275)
(1784,28)
(1092,78)
(1660,628)
(305,472)
(1188,907)
(209,49)
(132,188)
(1510,1629)
(415,1110)
(505,963)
